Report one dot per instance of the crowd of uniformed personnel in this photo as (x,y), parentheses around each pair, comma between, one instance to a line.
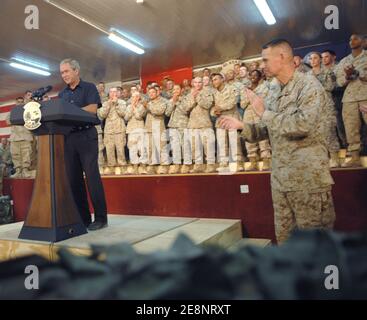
(173,127)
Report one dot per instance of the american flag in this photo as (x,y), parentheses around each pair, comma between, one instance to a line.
(5,108)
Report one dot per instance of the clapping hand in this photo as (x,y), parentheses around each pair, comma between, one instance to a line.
(256,102)
(363,108)
(230,123)
(175,98)
(349,70)
(217,111)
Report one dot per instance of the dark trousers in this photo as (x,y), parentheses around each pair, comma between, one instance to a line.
(81,155)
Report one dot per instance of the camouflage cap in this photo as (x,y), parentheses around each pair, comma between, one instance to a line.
(229,65)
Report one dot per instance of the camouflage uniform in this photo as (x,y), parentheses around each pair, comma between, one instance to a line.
(5,158)
(136,134)
(155,128)
(337,95)
(5,164)
(114,131)
(34,146)
(300,179)
(201,126)
(226,101)
(167,94)
(355,95)
(186,91)
(21,149)
(328,80)
(240,88)
(246,82)
(177,124)
(303,68)
(101,146)
(251,117)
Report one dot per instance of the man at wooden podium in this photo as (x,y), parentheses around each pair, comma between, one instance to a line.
(81,147)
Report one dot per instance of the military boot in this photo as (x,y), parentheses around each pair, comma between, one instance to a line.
(163,169)
(174,169)
(223,167)
(123,169)
(198,168)
(133,169)
(253,164)
(143,169)
(151,170)
(17,174)
(210,168)
(107,170)
(185,169)
(266,164)
(29,173)
(334,160)
(355,161)
(240,166)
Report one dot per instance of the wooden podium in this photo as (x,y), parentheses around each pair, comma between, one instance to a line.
(52,215)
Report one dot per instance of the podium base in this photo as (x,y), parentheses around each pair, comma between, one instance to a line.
(52,234)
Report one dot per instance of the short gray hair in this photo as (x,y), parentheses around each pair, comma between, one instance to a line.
(73,63)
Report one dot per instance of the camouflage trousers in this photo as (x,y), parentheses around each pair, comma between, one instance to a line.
(101,159)
(352,123)
(137,147)
(2,169)
(302,210)
(331,135)
(203,141)
(115,148)
(262,147)
(228,146)
(157,147)
(180,145)
(21,153)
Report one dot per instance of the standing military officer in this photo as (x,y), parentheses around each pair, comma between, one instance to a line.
(103,96)
(199,103)
(113,111)
(156,132)
(300,179)
(177,124)
(135,113)
(328,80)
(261,148)
(22,148)
(352,74)
(228,141)
(329,63)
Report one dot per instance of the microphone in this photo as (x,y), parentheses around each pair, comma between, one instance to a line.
(39,93)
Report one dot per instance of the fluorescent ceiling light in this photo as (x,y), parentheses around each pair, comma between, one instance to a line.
(31,63)
(125,43)
(30,69)
(265,11)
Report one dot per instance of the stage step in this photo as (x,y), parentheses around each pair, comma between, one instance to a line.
(250,242)
(223,232)
(144,233)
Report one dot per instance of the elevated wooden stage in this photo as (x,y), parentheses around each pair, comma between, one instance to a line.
(144,233)
(213,196)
